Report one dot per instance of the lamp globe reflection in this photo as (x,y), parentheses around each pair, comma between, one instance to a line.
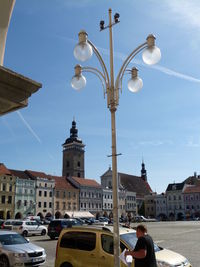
(78,80)
(83,50)
(135,84)
(151,55)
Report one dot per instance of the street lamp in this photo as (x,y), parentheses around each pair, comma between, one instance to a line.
(83,51)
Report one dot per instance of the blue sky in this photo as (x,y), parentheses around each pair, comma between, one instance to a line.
(160,124)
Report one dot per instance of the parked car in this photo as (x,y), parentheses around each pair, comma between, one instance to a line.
(56,226)
(25,227)
(15,250)
(93,246)
(141,218)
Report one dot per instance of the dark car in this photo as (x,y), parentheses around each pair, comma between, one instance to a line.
(56,226)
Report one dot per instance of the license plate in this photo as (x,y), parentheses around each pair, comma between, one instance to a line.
(36,259)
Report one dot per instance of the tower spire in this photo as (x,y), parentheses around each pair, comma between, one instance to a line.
(143,171)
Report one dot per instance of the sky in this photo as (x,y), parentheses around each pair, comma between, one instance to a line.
(159,125)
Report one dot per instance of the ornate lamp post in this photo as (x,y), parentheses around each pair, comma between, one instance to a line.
(83,51)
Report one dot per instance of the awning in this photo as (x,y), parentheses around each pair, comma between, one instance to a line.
(79,214)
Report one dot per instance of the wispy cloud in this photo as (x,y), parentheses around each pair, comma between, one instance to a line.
(155,143)
(193,143)
(186,11)
(157,67)
(29,127)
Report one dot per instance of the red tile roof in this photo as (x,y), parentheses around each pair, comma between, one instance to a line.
(86,182)
(36,174)
(192,189)
(19,174)
(4,170)
(62,183)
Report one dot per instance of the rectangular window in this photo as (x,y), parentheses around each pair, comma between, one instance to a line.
(3,199)
(25,203)
(85,241)
(50,194)
(10,188)
(64,206)
(39,204)
(40,193)
(50,204)
(9,199)
(45,193)
(45,204)
(4,187)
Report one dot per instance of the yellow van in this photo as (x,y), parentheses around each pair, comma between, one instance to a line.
(92,246)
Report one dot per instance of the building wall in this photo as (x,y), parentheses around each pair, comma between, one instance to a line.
(25,199)
(192,204)
(91,199)
(131,206)
(175,204)
(161,206)
(44,197)
(7,196)
(150,206)
(65,200)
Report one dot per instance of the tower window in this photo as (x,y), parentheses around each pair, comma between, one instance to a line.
(67,163)
(78,164)
(79,175)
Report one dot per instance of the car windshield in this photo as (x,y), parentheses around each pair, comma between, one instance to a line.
(12,239)
(131,240)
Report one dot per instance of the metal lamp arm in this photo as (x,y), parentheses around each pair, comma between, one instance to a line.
(105,71)
(100,75)
(126,62)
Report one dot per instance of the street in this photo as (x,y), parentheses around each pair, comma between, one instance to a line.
(182,237)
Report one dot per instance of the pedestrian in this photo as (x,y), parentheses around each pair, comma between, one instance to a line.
(143,252)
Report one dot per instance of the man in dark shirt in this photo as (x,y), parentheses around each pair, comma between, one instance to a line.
(143,253)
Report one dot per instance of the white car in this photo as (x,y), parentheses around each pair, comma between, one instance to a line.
(15,250)
(25,227)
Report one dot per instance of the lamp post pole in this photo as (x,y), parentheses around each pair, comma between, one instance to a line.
(115,186)
(83,51)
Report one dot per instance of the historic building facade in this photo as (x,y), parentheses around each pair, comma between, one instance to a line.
(175,201)
(66,197)
(7,193)
(90,194)
(44,193)
(73,154)
(161,206)
(25,197)
(191,195)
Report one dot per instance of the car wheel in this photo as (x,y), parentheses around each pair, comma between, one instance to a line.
(4,262)
(66,264)
(43,232)
(25,233)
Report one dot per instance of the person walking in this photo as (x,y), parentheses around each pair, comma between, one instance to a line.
(143,252)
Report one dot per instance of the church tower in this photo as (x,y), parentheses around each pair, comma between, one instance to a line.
(143,172)
(73,154)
